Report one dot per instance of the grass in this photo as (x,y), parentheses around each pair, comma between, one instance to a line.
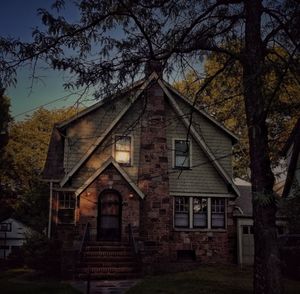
(207,279)
(21,281)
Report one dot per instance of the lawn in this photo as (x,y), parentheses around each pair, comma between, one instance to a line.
(21,281)
(207,279)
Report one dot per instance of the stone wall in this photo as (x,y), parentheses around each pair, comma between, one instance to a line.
(88,211)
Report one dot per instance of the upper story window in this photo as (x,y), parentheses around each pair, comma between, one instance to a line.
(123,149)
(182,154)
(217,213)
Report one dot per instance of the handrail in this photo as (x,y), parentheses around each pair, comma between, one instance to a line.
(132,240)
(85,238)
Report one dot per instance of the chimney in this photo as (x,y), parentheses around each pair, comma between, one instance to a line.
(154,65)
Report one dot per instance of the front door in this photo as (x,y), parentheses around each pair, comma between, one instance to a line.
(109,216)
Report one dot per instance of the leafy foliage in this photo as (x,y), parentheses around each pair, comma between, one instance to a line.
(22,192)
(42,254)
(224,99)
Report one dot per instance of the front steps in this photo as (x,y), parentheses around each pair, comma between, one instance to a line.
(108,261)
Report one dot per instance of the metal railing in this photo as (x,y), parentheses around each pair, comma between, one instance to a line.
(132,240)
(85,238)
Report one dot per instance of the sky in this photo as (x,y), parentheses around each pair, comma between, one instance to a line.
(17,18)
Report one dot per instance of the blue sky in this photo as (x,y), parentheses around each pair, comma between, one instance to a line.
(17,18)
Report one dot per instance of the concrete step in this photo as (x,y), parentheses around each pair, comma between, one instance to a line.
(107,253)
(107,248)
(109,276)
(108,259)
(110,270)
(101,263)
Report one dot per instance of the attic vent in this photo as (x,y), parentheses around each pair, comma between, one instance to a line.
(186,255)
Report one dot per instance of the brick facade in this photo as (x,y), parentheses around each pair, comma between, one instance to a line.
(153,180)
(151,217)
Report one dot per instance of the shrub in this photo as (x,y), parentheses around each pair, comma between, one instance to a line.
(42,254)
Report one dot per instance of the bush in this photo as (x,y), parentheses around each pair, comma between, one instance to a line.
(42,254)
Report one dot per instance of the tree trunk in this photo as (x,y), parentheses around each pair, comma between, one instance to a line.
(267,271)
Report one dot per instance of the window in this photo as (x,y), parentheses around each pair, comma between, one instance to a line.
(66,200)
(182,212)
(5,227)
(181,154)
(123,149)
(66,207)
(199,212)
(217,213)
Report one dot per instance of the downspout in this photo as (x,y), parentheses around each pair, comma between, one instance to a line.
(50,210)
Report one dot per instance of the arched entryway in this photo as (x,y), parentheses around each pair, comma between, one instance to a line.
(109,216)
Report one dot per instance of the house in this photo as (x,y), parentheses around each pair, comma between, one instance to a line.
(291,151)
(244,222)
(12,236)
(136,163)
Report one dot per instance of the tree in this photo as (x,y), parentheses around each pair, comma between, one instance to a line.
(25,156)
(223,98)
(180,33)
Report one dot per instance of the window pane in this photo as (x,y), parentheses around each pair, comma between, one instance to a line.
(182,153)
(123,143)
(182,161)
(123,157)
(181,220)
(200,220)
(181,204)
(218,220)
(181,147)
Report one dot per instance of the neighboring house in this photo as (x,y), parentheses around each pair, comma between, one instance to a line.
(291,151)
(12,236)
(244,222)
(139,159)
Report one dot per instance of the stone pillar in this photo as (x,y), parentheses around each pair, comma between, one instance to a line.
(153,177)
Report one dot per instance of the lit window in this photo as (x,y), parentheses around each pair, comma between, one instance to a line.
(217,213)
(199,212)
(182,212)
(182,154)
(123,149)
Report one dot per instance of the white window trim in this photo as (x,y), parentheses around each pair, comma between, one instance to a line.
(173,152)
(58,208)
(131,148)
(209,227)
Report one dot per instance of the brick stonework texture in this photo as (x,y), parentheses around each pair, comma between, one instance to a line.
(153,176)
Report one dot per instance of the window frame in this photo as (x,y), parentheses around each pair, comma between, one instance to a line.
(70,207)
(223,213)
(208,226)
(188,212)
(114,150)
(174,154)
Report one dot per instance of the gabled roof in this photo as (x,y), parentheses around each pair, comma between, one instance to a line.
(90,151)
(203,113)
(98,172)
(198,138)
(169,92)
(294,142)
